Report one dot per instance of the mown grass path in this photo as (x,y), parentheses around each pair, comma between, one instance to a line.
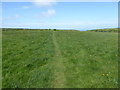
(59,77)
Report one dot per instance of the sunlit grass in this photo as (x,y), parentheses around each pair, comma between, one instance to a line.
(90,59)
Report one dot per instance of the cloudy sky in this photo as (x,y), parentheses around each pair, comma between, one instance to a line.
(60,15)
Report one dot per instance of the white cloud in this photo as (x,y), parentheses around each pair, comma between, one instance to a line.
(49,13)
(16,16)
(26,7)
(44,3)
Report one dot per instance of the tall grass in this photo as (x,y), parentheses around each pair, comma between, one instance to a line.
(29,56)
(92,59)
(26,55)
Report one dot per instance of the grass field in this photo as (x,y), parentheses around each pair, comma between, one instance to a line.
(0,58)
(59,59)
(106,30)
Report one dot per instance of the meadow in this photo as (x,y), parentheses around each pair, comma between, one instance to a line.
(106,30)
(59,59)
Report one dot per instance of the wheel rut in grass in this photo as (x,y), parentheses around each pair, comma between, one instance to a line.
(59,77)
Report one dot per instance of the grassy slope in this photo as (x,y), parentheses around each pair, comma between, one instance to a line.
(59,59)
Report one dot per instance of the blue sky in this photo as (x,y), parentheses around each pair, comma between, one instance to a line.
(60,15)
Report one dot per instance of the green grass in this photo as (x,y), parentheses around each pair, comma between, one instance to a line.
(0,58)
(26,55)
(65,59)
(106,30)
(91,59)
